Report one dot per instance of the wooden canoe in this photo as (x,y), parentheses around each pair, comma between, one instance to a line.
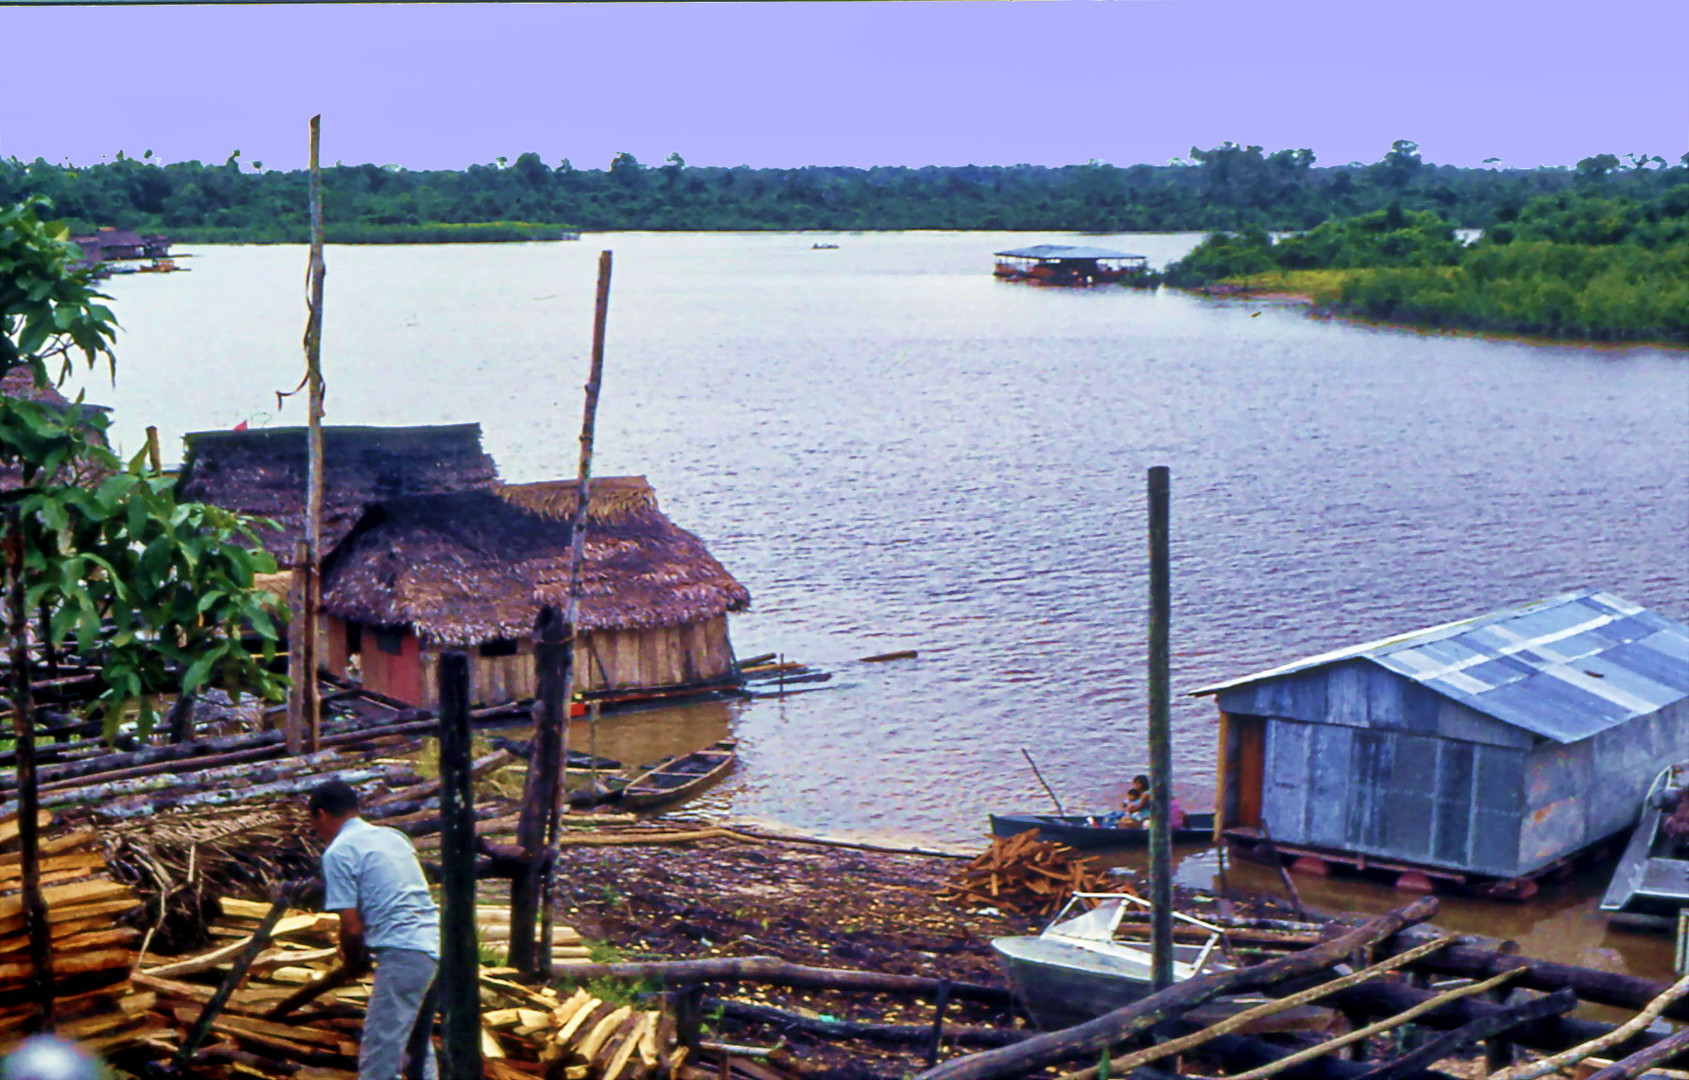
(1075,830)
(680,778)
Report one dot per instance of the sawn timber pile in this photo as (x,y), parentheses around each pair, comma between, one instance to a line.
(92,955)
(527,1033)
(1025,876)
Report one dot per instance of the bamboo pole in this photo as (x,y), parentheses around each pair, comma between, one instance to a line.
(1640,1022)
(1387,1024)
(1260,1012)
(40,987)
(1048,790)
(1485,1027)
(460,1002)
(571,609)
(1160,753)
(314,449)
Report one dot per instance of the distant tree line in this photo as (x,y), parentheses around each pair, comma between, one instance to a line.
(1229,187)
(1587,263)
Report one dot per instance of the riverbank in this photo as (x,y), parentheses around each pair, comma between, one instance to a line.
(1322,292)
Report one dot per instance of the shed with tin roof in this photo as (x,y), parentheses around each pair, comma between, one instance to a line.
(1483,751)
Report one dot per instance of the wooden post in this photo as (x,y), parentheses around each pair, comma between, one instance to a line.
(572,607)
(1160,754)
(299,675)
(459,978)
(941,999)
(154,457)
(40,985)
(312,732)
(541,792)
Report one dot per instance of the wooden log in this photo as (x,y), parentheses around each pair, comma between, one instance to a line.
(887,1034)
(1260,1012)
(1640,1022)
(540,792)
(1360,1035)
(1596,987)
(1450,1043)
(1630,1067)
(1133,1020)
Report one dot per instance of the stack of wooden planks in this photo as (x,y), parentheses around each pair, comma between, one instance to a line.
(1025,876)
(94,1001)
(527,1033)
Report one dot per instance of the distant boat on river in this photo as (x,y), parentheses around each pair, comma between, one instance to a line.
(1067,264)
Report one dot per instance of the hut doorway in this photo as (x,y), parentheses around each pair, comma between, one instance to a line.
(1242,767)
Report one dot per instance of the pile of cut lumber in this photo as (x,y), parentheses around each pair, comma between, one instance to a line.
(527,1033)
(94,1001)
(573,1037)
(1024,875)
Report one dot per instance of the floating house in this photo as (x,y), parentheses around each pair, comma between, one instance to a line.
(1481,753)
(425,550)
(471,571)
(1065,264)
(109,244)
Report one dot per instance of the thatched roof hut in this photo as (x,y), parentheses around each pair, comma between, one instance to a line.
(471,567)
(262,473)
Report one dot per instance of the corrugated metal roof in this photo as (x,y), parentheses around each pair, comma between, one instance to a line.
(1563,668)
(1065,251)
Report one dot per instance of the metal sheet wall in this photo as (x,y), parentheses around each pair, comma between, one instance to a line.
(1414,798)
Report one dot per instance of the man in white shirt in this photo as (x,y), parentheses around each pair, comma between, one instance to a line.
(374,882)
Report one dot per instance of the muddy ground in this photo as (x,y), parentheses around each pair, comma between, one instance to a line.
(818,905)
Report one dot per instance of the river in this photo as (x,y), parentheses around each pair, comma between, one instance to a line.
(895,451)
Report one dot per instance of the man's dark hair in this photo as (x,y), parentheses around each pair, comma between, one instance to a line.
(1141,780)
(335,798)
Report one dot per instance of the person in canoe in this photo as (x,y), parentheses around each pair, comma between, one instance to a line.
(1136,807)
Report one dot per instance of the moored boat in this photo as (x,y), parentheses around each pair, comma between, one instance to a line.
(1079,830)
(674,779)
(1651,883)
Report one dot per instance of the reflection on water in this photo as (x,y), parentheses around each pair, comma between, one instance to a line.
(893,450)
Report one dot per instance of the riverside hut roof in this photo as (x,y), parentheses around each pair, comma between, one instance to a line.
(1064,251)
(477,566)
(262,472)
(1562,669)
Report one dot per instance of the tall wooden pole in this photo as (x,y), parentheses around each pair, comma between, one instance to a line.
(540,792)
(40,986)
(572,607)
(1160,753)
(459,976)
(307,706)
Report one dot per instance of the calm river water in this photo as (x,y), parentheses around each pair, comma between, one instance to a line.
(895,451)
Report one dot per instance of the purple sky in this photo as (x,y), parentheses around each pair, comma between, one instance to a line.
(446,85)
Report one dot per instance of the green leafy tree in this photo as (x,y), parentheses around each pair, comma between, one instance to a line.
(159,594)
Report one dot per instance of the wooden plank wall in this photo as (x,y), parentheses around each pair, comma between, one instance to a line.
(606,659)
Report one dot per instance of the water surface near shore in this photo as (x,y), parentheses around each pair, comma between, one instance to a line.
(893,450)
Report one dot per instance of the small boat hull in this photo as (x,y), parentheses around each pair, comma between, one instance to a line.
(680,778)
(1072,830)
(1651,883)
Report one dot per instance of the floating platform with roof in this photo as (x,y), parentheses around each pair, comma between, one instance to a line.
(1068,264)
(1481,754)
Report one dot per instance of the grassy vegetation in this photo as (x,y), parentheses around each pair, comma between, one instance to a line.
(1572,266)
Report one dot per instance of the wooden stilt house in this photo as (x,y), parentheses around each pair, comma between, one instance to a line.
(471,571)
(425,550)
(1482,752)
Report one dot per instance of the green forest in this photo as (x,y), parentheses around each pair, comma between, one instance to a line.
(1229,187)
(1584,264)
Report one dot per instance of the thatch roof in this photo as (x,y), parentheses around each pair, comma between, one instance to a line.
(477,566)
(262,473)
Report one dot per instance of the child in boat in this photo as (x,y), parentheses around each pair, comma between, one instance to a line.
(1137,805)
